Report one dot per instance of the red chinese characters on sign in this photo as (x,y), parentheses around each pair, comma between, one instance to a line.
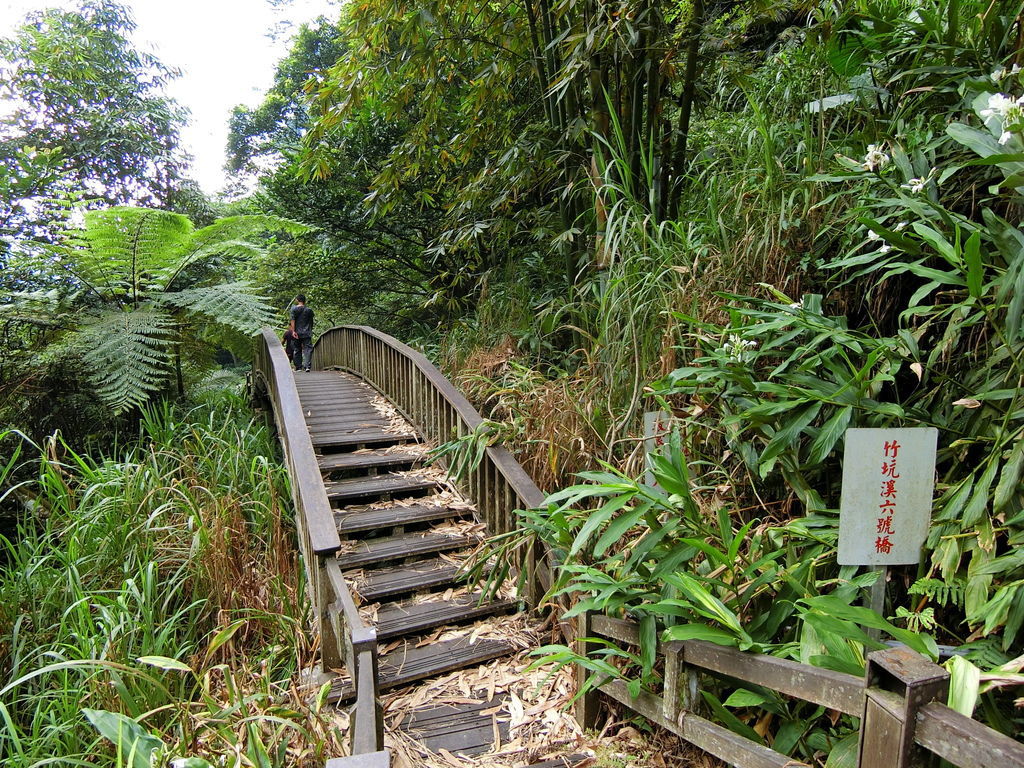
(888,494)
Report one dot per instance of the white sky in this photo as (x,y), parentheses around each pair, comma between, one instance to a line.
(223,49)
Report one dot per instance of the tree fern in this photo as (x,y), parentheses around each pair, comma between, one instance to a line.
(233,304)
(129,354)
(123,288)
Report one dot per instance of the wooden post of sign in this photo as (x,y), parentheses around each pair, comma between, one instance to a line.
(876,597)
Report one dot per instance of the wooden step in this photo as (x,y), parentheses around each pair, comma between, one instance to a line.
(387,583)
(356,520)
(464,729)
(341,423)
(401,547)
(401,619)
(325,414)
(408,664)
(378,485)
(375,460)
(343,439)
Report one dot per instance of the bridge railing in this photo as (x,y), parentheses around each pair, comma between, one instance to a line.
(898,701)
(344,637)
(497,485)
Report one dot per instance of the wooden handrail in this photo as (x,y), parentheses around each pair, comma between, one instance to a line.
(344,635)
(272,369)
(834,690)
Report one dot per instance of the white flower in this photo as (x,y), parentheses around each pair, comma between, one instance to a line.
(900,227)
(1005,136)
(875,158)
(1000,73)
(796,304)
(915,185)
(885,248)
(998,105)
(738,348)
(872,235)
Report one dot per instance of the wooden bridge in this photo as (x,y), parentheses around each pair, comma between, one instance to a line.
(382,538)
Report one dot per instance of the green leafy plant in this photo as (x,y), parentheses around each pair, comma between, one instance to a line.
(129,282)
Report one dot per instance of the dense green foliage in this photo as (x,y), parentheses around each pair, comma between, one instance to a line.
(153,593)
(130,284)
(774,219)
(608,222)
(87,116)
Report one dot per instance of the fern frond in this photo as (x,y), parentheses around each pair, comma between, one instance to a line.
(939,591)
(234,233)
(129,354)
(233,304)
(129,252)
(218,381)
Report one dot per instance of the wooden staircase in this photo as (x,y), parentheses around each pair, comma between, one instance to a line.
(404,533)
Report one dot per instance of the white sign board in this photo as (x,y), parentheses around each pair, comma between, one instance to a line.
(888,480)
(657,425)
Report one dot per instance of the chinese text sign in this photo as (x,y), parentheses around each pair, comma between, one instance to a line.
(888,479)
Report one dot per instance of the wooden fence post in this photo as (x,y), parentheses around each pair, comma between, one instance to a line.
(330,655)
(898,682)
(587,704)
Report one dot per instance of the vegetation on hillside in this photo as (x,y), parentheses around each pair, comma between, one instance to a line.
(157,590)
(775,220)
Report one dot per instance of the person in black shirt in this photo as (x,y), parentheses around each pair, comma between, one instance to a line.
(302,326)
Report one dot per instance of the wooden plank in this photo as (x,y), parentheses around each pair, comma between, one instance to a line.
(348,424)
(378,485)
(965,742)
(359,519)
(323,417)
(399,619)
(568,761)
(380,759)
(462,729)
(400,547)
(332,400)
(834,690)
(387,583)
(409,664)
(719,741)
(361,437)
(375,460)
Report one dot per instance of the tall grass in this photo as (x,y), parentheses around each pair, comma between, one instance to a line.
(158,584)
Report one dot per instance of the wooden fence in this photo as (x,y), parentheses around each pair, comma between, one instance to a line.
(344,637)
(899,701)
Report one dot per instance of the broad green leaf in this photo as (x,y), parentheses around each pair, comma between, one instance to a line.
(829,435)
(128,736)
(964,679)
(844,753)
(975,269)
(163,662)
(700,632)
(744,698)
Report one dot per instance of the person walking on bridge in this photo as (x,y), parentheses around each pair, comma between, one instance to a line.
(302,326)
